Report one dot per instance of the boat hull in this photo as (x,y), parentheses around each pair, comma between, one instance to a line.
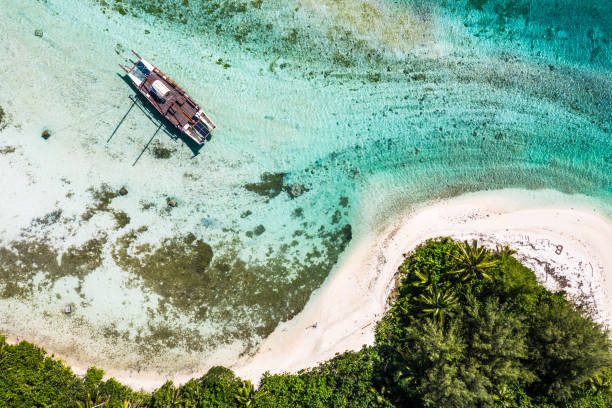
(171,101)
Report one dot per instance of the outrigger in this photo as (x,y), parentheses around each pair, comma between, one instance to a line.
(170,100)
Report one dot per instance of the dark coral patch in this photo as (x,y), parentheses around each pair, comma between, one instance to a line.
(270,185)
(22,260)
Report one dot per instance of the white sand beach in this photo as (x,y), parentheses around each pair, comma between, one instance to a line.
(330,127)
(569,247)
(567,240)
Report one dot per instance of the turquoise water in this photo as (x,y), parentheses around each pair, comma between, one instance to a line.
(363,108)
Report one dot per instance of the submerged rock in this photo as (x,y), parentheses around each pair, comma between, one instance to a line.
(272,184)
(123,191)
(260,229)
(297,190)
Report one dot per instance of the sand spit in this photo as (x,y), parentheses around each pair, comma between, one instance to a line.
(567,243)
(569,247)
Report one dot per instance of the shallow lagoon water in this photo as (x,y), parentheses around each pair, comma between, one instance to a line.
(373,107)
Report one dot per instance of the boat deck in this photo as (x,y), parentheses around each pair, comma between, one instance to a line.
(170,100)
(176,106)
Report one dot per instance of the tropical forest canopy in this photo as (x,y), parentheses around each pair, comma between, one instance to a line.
(468,327)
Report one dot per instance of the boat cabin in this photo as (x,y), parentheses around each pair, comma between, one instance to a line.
(170,100)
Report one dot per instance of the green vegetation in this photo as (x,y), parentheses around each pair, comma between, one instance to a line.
(3,119)
(472,327)
(469,327)
(29,378)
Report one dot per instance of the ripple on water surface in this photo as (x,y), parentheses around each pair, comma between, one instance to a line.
(332,116)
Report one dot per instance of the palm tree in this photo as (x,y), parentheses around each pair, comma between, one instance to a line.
(169,396)
(246,394)
(437,302)
(92,402)
(600,383)
(381,397)
(472,262)
(503,396)
(423,279)
(504,252)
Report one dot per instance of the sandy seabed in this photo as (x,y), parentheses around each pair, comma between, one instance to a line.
(550,131)
(566,240)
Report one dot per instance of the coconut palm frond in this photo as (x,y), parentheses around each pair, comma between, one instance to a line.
(600,383)
(245,395)
(503,396)
(423,279)
(472,262)
(437,302)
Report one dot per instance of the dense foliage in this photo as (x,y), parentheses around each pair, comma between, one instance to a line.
(472,328)
(28,378)
(469,327)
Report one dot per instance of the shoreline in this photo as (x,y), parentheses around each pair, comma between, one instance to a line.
(341,315)
(435,117)
(357,292)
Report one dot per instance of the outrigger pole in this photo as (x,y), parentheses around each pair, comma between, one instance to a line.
(130,70)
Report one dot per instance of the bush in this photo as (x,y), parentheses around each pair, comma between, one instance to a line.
(566,349)
(481,331)
(469,328)
(28,378)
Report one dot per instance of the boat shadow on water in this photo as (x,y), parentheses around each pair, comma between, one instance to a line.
(159,120)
